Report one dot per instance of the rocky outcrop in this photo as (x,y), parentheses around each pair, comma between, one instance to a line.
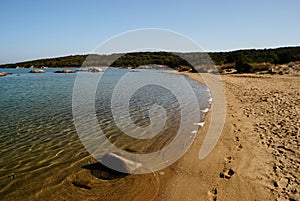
(37,71)
(3,74)
(65,71)
(95,70)
(92,69)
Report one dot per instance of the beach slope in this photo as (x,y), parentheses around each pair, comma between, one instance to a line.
(257,156)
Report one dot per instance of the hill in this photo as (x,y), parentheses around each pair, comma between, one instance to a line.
(242,60)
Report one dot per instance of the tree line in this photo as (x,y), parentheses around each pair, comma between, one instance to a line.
(179,61)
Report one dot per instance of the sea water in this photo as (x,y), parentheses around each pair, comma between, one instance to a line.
(39,145)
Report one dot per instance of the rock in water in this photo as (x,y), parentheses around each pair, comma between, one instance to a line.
(3,73)
(37,71)
(120,163)
(65,71)
(95,70)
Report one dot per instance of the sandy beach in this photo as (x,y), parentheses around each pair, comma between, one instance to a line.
(257,156)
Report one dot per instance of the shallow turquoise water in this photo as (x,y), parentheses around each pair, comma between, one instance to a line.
(37,132)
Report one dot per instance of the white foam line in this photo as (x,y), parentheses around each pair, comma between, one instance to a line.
(200,124)
(163,162)
(194,132)
(210,100)
(205,110)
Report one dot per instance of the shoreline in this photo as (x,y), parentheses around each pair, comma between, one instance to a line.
(257,155)
(250,159)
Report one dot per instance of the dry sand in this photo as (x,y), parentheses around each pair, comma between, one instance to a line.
(257,156)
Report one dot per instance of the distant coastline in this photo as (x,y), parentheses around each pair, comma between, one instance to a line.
(284,60)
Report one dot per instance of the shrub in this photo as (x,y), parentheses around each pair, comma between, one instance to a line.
(242,66)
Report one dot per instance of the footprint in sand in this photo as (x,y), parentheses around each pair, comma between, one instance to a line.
(226,173)
(238,144)
(213,194)
(228,159)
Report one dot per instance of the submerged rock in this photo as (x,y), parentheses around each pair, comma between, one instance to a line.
(120,163)
(83,184)
(37,71)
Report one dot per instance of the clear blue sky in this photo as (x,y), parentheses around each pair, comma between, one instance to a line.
(50,28)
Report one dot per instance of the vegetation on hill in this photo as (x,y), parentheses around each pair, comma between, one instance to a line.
(67,61)
(274,56)
(137,59)
(242,60)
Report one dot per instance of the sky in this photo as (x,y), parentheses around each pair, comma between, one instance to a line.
(43,29)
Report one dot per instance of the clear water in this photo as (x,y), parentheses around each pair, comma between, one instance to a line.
(39,145)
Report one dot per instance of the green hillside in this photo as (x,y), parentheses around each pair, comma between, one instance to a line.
(237,58)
